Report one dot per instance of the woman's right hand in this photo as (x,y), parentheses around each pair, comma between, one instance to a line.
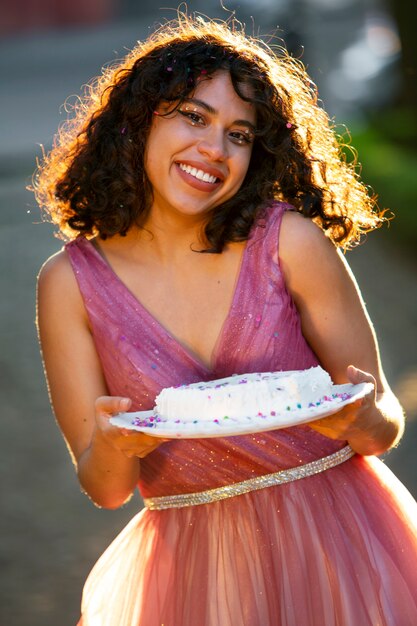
(130,442)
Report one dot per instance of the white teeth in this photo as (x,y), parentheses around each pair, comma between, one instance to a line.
(204,176)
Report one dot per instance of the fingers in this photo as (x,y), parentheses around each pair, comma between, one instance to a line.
(131,443)
(356,376)
(140,444)
(142,452)
(110,405)
(345,422)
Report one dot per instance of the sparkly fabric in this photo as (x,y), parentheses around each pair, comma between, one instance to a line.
(335,549)
(252,484)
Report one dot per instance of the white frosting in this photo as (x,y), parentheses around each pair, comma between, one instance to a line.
(242,396)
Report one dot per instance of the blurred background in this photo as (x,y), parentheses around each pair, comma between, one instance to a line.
(362,54)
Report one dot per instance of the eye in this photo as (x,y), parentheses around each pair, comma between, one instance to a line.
(195,118)
(241,137)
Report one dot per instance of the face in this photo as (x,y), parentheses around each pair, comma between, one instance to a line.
(197,157)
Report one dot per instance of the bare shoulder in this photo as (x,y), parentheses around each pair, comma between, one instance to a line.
(57,285)
(55,269)
(300,236)
(307,256)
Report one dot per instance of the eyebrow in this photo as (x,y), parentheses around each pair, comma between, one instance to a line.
(214,111)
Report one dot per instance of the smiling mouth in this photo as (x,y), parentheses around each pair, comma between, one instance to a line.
(199,174)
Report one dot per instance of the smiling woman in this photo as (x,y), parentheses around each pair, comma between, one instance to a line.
(95,182)
(197,183)
(197,156)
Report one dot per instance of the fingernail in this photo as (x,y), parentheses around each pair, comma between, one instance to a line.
(124,404)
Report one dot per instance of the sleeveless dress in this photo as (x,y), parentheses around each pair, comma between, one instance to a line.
(335,549)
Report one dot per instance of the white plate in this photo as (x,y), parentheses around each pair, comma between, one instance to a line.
(228,427)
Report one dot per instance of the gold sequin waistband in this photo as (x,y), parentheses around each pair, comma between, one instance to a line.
(253,484)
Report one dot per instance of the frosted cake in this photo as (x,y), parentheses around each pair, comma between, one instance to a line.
(240,396)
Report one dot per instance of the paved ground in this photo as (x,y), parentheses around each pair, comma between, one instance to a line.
(50,533)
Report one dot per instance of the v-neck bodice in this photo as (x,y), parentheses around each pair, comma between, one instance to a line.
(139,357)
(113,277)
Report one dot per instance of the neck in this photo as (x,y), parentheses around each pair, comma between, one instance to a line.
(172,235)
(166,242)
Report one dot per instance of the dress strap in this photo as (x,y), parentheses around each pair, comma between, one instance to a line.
(253,484)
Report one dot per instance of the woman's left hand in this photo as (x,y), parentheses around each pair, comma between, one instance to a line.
(356,419)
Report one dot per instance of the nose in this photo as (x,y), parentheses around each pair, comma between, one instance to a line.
(213,145)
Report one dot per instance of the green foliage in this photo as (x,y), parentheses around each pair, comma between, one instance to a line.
(389,166)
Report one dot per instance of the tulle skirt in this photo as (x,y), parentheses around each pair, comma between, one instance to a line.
(336,549)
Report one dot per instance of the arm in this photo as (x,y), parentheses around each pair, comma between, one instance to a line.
(105,457)
(336,325)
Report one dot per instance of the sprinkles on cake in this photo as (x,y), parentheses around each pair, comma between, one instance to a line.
(261,399)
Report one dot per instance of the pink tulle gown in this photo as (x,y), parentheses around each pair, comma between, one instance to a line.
(335,549)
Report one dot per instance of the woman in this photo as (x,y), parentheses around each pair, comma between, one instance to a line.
(197,184)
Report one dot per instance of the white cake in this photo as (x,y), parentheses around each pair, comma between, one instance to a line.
(243,396)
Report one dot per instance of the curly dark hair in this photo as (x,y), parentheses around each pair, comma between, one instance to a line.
(94,183)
